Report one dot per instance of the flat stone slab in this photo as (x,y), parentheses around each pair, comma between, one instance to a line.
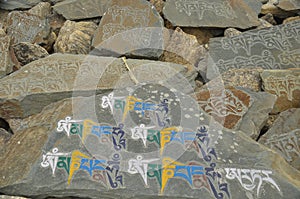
(289,5)
(286,85)
(87,151)
(284,136)
(18,4)
(216,13)
(270,48)
(74,10)
(135,24)
(60,76)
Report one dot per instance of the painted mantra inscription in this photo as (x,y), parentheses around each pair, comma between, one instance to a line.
(286,144)
(251,178)
(105,171)
(200,7)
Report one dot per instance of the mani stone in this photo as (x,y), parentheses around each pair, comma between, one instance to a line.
(182,48)
(60,76)
(6,62)
(229,163)
(216,13)
(25,27)
(26,52)
(286,85)
(74,10)
(289,5)
(256,48)
(284,136)
(236,108)
(18,4)
(75,37)
(133,28)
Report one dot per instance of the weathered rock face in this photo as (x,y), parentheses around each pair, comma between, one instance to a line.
(289,5)
(74,10)
(256,48)
(217,13)
(42,9)
(135,24)
(237,109)
(60,76)
(287,20)
(26,52)
(113,160)
(284,136)
(230,32)
(6,63)
(286,85)
(18,4)
(26,27)
(75,37)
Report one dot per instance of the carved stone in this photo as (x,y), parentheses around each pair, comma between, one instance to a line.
(75,37)
(286,85)
(217,13)
(18,4)
(255,48)
(60,76)
(74,10)
(135,24)
(284,136)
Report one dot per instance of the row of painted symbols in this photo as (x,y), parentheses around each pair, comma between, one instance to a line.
(156,112)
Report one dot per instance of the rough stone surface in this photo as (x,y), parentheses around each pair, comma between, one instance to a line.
(183,49)
(284,136)
(214,158)
(230,32)
(217,13)
(256,48)
(269,18)
(75,37)
(264,24)
(25,27)
(289,5)
(18,4)
(159,5)
(237,108)
(135,24)
(286,85)
(60,76)
(290,19)
(275,11)
(26,52)
(202,34)
(42,9)
(11,197)
(74,10)
(6,63)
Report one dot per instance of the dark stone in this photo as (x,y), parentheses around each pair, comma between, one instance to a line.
(18,4)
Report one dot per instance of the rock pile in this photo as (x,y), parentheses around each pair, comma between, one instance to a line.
(150,98)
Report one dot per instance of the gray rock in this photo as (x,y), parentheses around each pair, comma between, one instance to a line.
(133,23)
(284,136)
(230,32)
(75,37)
(60,76)
(255,5)
(42,9)
(18,4)
(286,85)
(217,13)
(215,163)
(74,10)
(255,48)
(6,63)
(26,52)
(26,27)
(289,5)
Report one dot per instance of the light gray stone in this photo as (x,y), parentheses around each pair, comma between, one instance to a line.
(217,13)
(255,48)
(18,4)
(284,136)
(74,10)
(289,5)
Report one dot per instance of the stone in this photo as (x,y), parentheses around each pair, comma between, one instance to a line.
(183,49)
(75,37)
(217,13)
(230,32)
(135,24)
(60,76)
(203,34)
(6,62)
(286,85)
(284,136)
(255,5)
(255,48)
(201,159)
(11,197)
(289,5)
(42,9)
(18,4)
(26,52)
(159,5)
(75,10)
(25,27)
(3,15)
(264,24)
(275,11)
(269,18)
(290,19)
(236,108)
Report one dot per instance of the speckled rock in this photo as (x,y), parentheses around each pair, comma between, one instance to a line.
(230,32)
(6,62)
